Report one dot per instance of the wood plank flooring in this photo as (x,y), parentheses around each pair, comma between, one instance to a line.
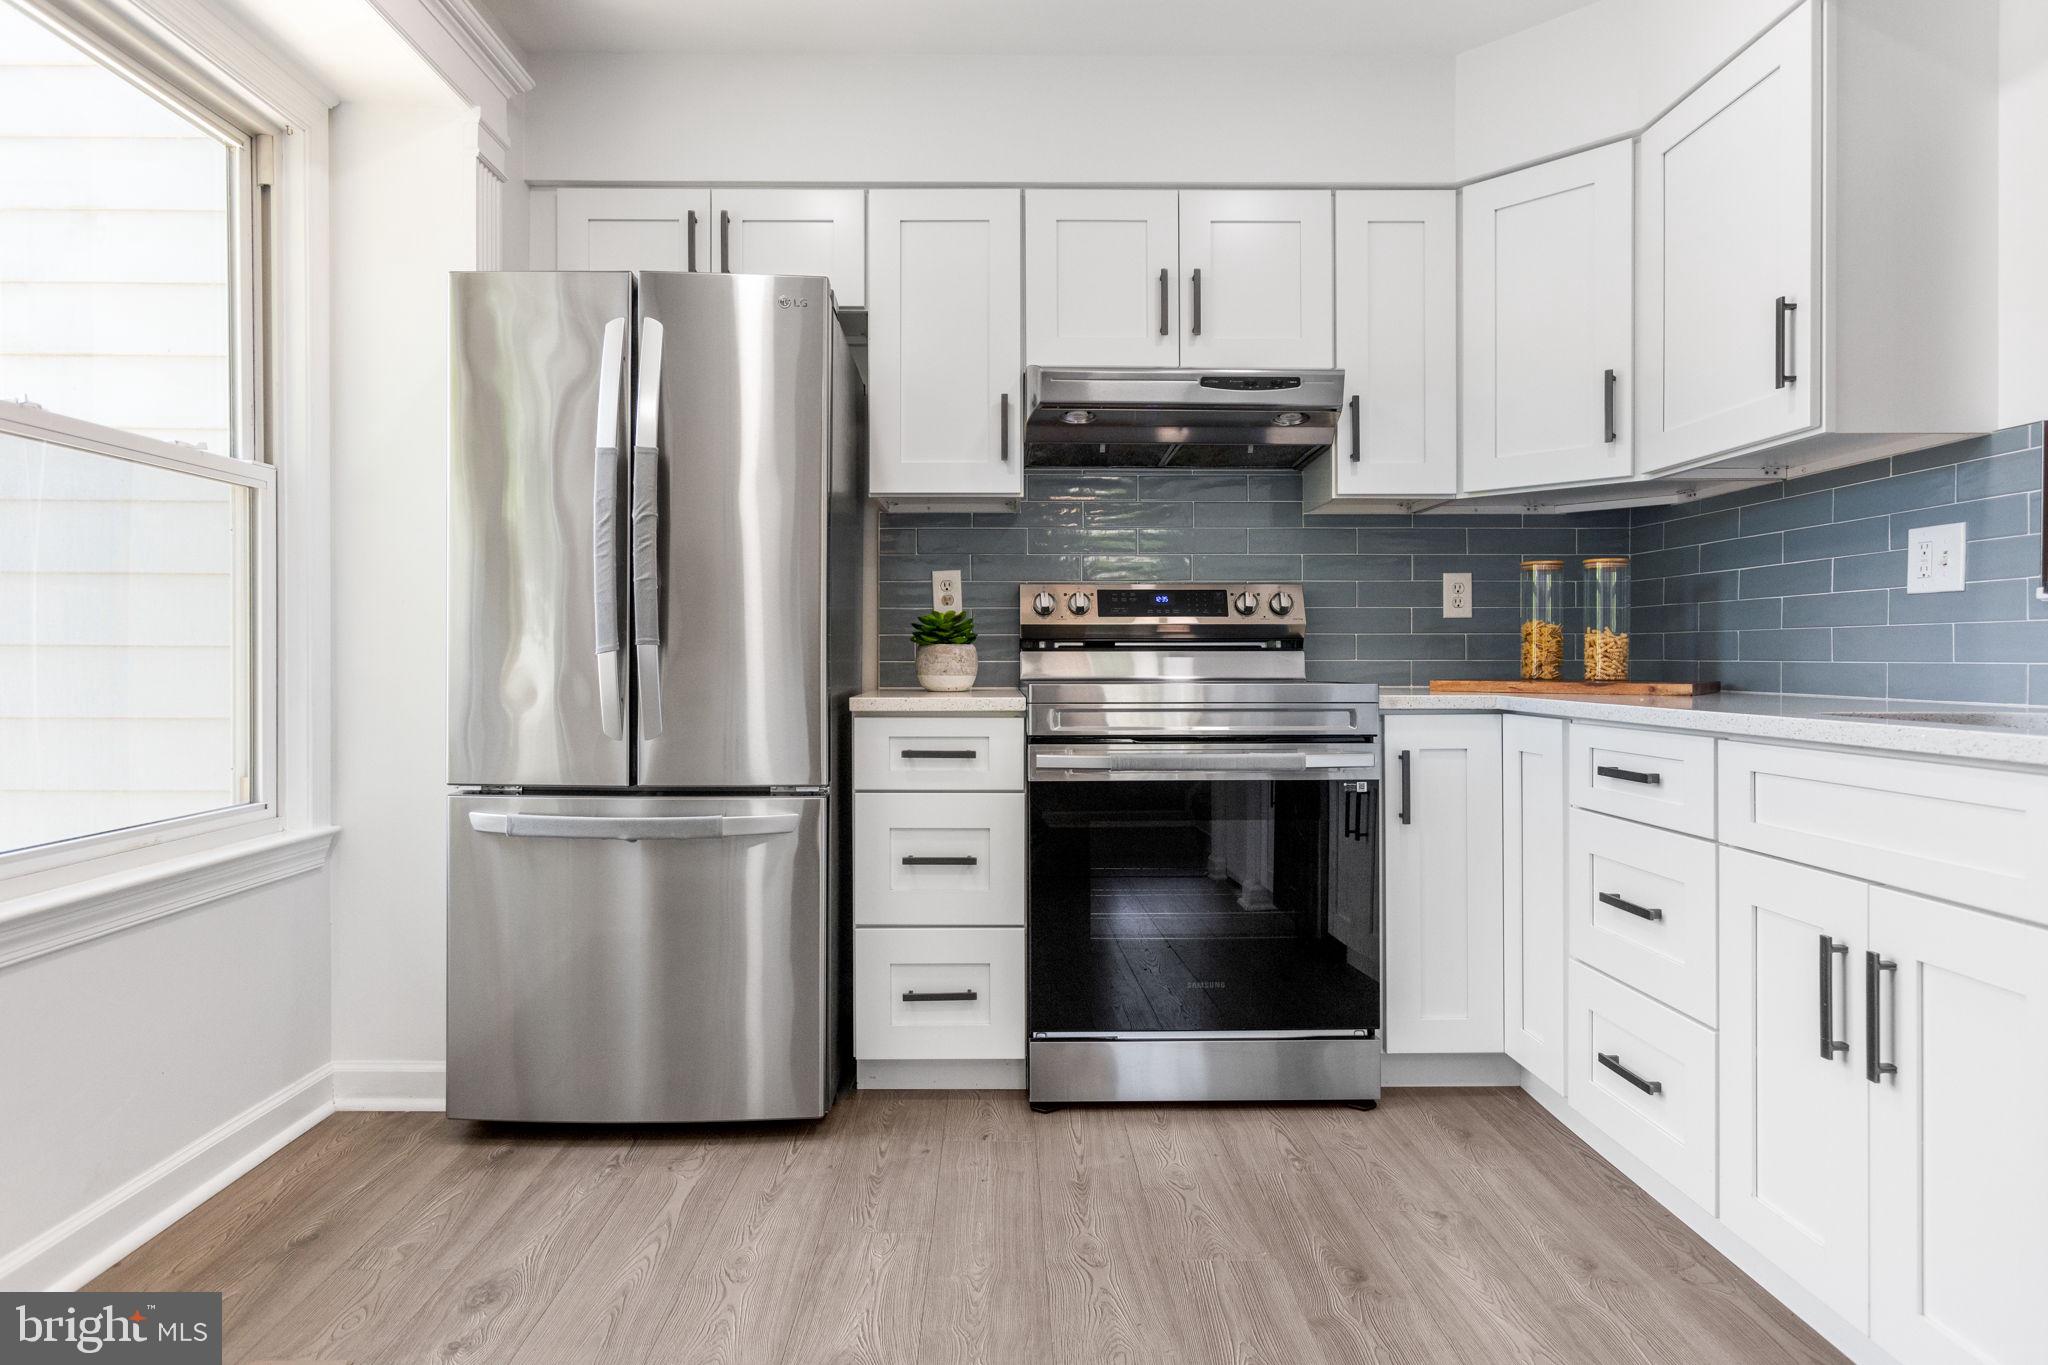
(938,1227)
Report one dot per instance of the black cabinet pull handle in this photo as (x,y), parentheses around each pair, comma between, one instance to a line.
(1782,319)
(1198,301)
(1164,303)
(919,997)
(1405,812)
(1639,911)
(1350,813)
(1874,967)
(690,230)
(938,753)
(1630,775)
(1357,446)
(1607,403)
(939,860)
(1005,424)
(1829,1044)
(725,240)
(1612,1061)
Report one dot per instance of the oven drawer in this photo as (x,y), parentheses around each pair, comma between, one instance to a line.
(938,753)
(938,858)
(1643,909)
(938,994)
(1644,1074)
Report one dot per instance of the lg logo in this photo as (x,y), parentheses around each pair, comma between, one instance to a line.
(785,301)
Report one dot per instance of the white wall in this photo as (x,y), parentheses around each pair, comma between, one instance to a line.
(404,215)
(2023,212)
(1118,119)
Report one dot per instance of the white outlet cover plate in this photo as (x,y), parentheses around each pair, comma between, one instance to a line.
(946,590)
(1934,558)
(1457,596)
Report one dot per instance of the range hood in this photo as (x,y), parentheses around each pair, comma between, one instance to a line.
(1181,419)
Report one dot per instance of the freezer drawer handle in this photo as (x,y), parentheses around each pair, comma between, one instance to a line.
(1648,912)
(919,997)
(630,827)
(1612,1061)
(940,860)
(647,529)
(604,534)
(1630,775)
(939,753)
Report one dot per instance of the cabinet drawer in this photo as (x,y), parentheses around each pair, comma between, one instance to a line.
(938,993)
(1974,835)
(1643,909)
(938,753)
(1665,1116)
(938,858)
(1649,775)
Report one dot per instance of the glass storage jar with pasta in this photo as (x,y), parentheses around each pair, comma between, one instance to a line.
(1542,620)
(1604,599)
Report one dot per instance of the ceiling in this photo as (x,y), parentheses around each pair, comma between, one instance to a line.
(1022,27)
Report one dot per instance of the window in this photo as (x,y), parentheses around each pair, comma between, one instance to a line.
(136,504)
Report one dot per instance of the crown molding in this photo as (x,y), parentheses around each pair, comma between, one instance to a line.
(474,34)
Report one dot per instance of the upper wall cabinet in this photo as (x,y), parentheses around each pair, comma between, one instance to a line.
(945,345)
(1548,278)
(750,231)
(1101,272)
(1258,288)
(631,228)
(1755,192)
(1397,343)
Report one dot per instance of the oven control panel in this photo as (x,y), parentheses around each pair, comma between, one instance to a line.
(1186,608)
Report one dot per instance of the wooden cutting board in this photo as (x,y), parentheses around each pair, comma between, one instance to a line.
(1520,688)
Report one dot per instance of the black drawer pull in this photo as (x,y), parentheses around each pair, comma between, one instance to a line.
(1629,906)
(1829,1044)
(920,997)
(1612,1061)
(1874,968)
(1630,775)
(939,753)
(936,860)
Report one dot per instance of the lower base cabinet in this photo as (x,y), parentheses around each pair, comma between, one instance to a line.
(1533,893)
(951,994)
(1645,1074)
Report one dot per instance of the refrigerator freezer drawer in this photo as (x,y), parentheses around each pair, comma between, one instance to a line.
(638,959)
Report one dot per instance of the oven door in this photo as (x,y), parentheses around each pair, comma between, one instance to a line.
(1208,888)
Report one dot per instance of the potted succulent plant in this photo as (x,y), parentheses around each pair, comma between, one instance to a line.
(945,651)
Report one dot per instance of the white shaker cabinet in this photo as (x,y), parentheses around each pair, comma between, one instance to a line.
(1256,272)
(1397,343)
(1442,836)
(1533,881)
(1101,271)
(793,232)
(945,344)
(1545,334)
(636,227)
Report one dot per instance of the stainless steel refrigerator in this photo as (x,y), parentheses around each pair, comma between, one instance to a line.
(654,570)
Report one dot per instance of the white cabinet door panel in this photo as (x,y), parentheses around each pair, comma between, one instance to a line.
(1730,226)
(1795,1161)
(1257,268)
(632,228)
(945,344)
(1548,287)
(1099,277)
(1533,889)
(1645,1075)
(1958,1179)
(795,232)
(1397,342)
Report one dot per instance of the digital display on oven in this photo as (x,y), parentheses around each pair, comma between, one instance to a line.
(1165,602)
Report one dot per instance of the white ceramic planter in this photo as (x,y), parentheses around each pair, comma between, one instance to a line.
(946,668)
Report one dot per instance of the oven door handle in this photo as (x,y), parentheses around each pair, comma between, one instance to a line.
(1278,762)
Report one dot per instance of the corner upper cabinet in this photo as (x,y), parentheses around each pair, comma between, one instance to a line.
(793,232)
(1101,277)
(1256,279)
(1397,343)
(1548,283)
(633,227)
(945,345)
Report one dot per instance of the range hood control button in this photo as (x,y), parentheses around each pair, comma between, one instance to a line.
(1280,603)
(1247,603)
(1078,604)
(1044,604)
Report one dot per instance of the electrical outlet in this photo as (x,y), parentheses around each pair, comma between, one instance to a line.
(1934,558)
(946,590)
(1457,596)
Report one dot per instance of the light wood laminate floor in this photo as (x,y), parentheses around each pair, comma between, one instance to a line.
(931,1227)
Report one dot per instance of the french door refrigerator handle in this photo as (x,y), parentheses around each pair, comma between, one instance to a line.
(630,827)
(604,534)
(647,529)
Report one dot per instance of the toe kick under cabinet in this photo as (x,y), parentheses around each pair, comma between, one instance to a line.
(938,889)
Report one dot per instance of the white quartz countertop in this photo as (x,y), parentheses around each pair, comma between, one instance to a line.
(915,701)
(1985,734)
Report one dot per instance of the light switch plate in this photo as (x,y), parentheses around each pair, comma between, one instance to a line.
(1457,596)
(1934,558)
(946,590)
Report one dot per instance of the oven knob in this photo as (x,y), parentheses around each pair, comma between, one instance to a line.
(1247,603)
(1078,604)
(1280,603)
(1044,604)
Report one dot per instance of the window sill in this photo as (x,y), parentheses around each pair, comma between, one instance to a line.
(64,917)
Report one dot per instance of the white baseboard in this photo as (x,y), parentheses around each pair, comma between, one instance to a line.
(75,1250)
(998,1074)
(391,1085)
(1449,1068)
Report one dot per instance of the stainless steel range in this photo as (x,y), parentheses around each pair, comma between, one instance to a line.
(1204,874)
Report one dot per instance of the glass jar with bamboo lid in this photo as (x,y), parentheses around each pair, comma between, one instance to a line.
(1542,620)
(1604,599)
